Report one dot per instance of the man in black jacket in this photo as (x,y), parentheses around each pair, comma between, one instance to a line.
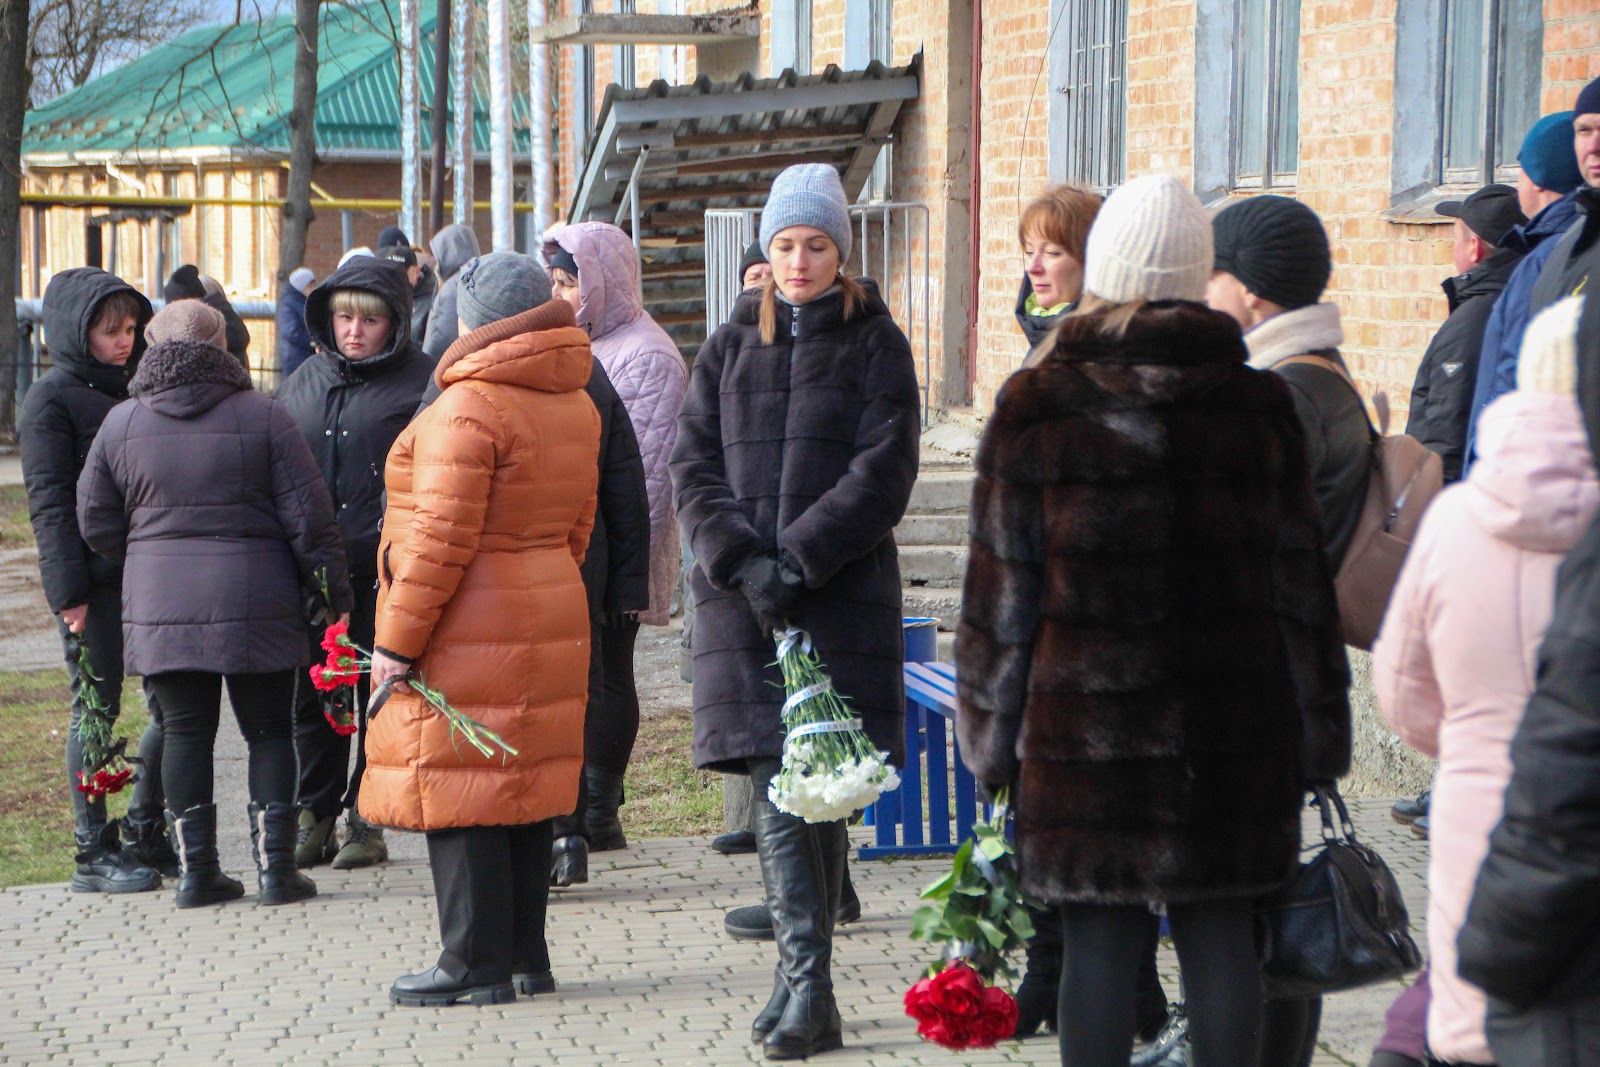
(1574,266)
(94,324)
(351,400)
(1531,938)
(1441,398)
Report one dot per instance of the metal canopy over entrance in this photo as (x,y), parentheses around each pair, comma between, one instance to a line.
(664,154)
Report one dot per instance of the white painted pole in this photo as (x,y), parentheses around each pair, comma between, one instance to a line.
(462,25)
(500,188)
(410,124)
(539,99)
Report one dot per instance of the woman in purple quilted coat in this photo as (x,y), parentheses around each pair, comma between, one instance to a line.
(595,268)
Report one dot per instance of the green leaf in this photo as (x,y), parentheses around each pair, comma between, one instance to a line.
(992,933)
(940,889)
(925,921)
(993,849)
(1021,922)
(972,890)
(964,927)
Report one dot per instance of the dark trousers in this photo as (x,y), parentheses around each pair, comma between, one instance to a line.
(1289,1032)
(492,884)
(103,634)
(326,783)
(576,825)
(1222,980)
(609,736)
(191,707)
(1556,1034)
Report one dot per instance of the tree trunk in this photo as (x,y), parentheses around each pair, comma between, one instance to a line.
(441,116)
(13,105)
(297,212)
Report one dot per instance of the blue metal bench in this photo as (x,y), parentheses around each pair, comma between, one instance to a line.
(930,701)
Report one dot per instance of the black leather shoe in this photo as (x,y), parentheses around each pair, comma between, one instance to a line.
(104,866)
(569,861)
(1409,811)
(734,843)
(433,988)
(533,983)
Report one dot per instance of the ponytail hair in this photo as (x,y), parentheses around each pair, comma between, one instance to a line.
(855,299)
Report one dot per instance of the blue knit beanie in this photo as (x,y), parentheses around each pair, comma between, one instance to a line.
(1548,157)
(807,195)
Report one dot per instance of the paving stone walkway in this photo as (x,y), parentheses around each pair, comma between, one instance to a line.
(646,975)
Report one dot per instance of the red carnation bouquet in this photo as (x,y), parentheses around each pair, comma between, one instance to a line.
(978,912)
(106,765)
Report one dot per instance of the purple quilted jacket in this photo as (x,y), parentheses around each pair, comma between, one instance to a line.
(644,365)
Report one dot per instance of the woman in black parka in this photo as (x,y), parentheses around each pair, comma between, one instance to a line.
(797,449)
(351,400)
(94,324)
(206,492)
(1149,650)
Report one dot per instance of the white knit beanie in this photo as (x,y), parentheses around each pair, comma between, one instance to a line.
(1548,362)
(1151,241)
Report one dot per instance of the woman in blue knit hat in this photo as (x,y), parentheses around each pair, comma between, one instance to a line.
(796,452)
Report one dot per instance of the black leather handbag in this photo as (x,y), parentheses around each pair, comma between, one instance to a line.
(1340,923)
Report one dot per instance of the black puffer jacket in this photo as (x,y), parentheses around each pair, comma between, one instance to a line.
(60,417)
(808,447)
(350,411)
(1573,266)
(1532,931)
(616,568)
(207,491)
(1441,397)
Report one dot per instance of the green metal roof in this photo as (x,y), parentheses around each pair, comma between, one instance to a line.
(231,87)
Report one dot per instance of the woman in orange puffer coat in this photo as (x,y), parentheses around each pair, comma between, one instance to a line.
(491,500)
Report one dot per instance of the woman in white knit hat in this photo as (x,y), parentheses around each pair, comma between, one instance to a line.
(796,452)
(1149,650)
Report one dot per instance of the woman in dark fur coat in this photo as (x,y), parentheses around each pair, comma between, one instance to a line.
(796,452)
(1149,651)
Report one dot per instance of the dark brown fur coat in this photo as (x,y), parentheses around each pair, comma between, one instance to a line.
(1149,647)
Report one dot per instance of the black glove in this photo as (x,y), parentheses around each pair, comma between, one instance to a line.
(773,590)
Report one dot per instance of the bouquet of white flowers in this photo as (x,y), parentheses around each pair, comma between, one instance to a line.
(830,769)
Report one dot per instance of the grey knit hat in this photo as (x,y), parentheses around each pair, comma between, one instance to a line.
(807,195)
(498,286)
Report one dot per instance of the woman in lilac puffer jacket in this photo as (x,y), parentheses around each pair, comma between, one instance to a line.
(595,268)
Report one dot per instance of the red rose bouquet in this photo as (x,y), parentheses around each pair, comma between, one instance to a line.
(106,766)
(977,911)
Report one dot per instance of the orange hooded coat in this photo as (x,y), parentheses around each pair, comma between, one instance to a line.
(491,500)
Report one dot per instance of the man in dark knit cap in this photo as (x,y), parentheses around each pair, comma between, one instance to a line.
(1547,192)
(1441,398)
(754,269)
(1576,257)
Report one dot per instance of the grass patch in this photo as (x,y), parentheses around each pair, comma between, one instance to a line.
(666,795)
(15,530)
(35,805)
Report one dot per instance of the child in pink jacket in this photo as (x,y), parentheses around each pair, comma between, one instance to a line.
(1455,662)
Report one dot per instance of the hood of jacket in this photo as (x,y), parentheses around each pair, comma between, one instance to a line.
(452,247)
(1534,484)
(1315,328)
(185,379)
(1488,278)
(539,349)
(1552,221)
(379,276)
(70,301)
(609,293)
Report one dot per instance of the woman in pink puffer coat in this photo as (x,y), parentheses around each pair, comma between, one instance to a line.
(595,268)
(1455,662)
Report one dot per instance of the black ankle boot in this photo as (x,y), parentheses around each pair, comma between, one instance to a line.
(605,797)
(569,861)
(104,866)
(802,866)
(202,881)
(272,833)
(433,988)
(146,841)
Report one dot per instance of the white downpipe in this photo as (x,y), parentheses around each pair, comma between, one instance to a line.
(539,98)
(410,119)
(461,42)
(500,187)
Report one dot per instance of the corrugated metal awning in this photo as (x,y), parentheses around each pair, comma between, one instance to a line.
(720,145)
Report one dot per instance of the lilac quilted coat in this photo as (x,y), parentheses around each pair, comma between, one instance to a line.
(644,365)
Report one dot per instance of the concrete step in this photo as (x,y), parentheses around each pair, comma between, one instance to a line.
(931,530)
(933,566)
(942,492)
(941,604)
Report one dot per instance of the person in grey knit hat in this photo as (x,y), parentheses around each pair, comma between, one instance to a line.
(807,195)
(498,286)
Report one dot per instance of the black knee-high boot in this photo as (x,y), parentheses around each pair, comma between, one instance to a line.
(802,866)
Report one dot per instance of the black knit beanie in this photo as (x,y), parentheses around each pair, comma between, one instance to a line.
(561,259)
(184,285)
(752,256)
(1588,102)
(1276,247)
